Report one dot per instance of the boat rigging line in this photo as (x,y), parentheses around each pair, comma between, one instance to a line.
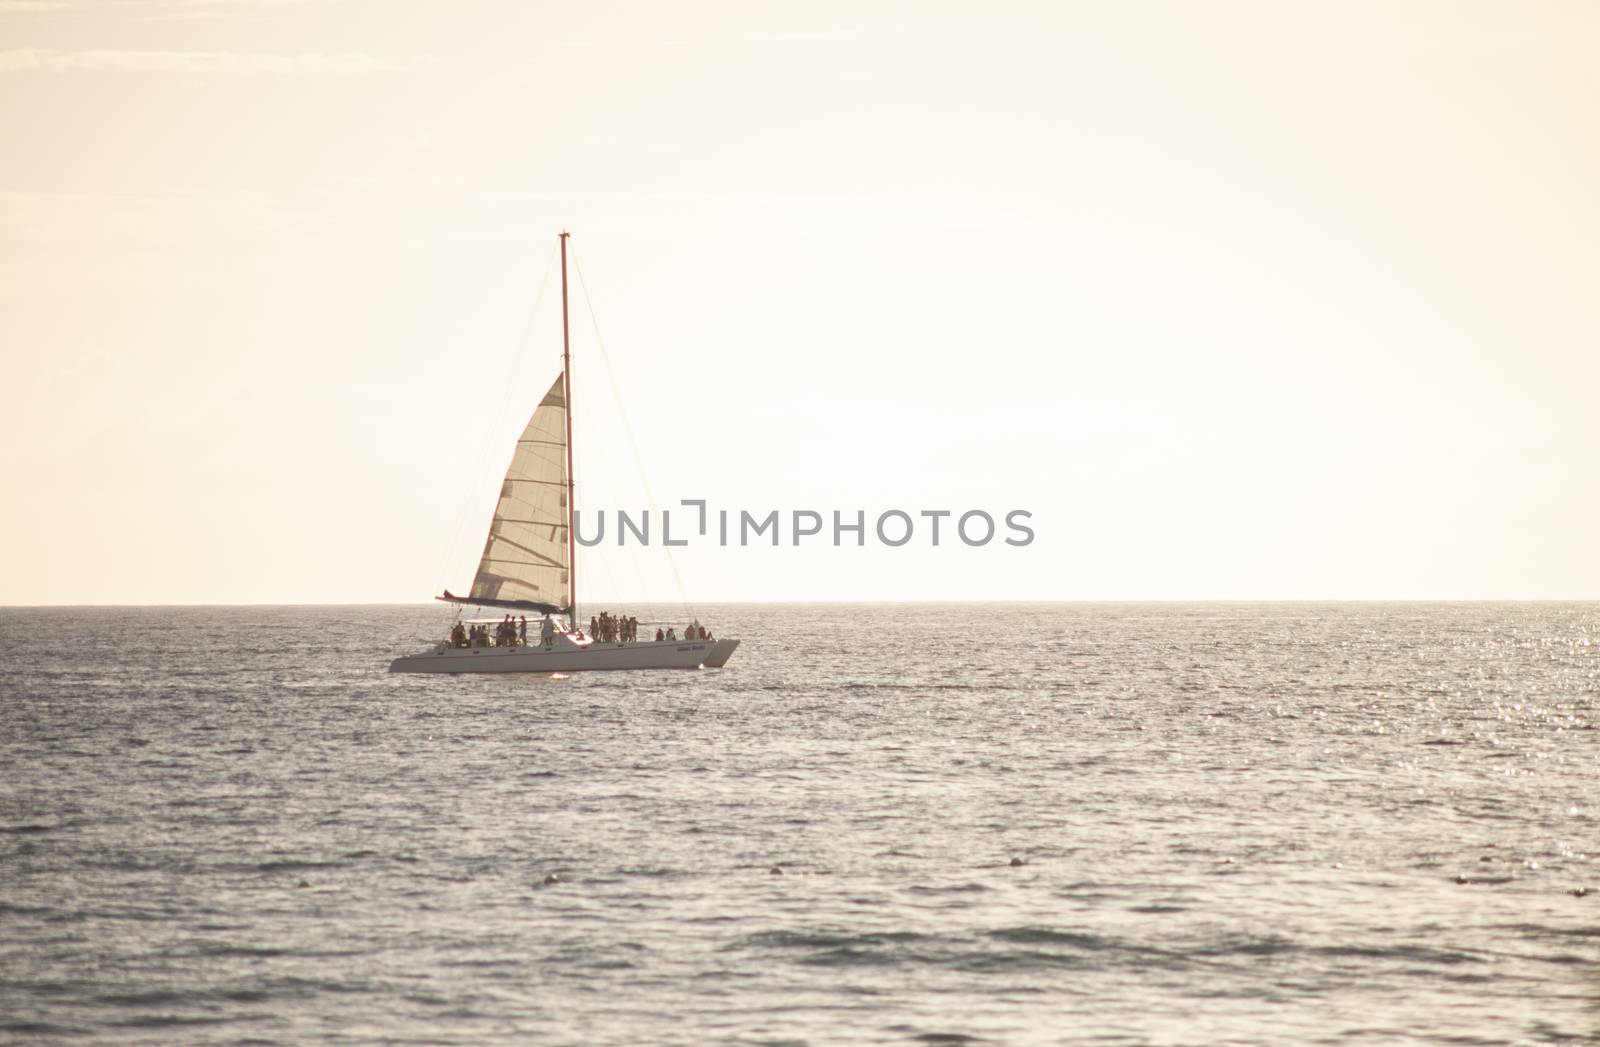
(627,428)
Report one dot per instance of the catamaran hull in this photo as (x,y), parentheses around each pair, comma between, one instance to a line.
(721,651)
(591,657)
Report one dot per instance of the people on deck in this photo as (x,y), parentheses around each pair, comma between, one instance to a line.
(660,635)
(458,635)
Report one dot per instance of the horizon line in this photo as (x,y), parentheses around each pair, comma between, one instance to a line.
(866,603)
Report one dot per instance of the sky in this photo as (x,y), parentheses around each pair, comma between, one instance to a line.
(1238,300)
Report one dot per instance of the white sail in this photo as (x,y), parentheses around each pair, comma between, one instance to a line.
(525,557)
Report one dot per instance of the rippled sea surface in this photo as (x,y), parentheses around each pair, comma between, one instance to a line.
(1153,823)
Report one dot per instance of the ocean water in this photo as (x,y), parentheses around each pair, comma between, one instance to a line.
(1094,823)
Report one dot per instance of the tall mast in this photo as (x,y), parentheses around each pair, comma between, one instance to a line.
(572,502)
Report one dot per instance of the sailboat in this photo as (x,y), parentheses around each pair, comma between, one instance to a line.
(529,569)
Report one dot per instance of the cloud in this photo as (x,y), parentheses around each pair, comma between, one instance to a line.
(819,36)
(219,3)
(196,10)
(205,63)
(81,229)
(177,8)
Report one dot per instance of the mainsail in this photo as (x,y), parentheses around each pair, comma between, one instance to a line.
(524,561)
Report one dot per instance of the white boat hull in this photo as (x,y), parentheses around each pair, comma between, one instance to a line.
(721,651)
(566,656)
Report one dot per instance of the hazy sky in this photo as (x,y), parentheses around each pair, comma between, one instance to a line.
(1248,300)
